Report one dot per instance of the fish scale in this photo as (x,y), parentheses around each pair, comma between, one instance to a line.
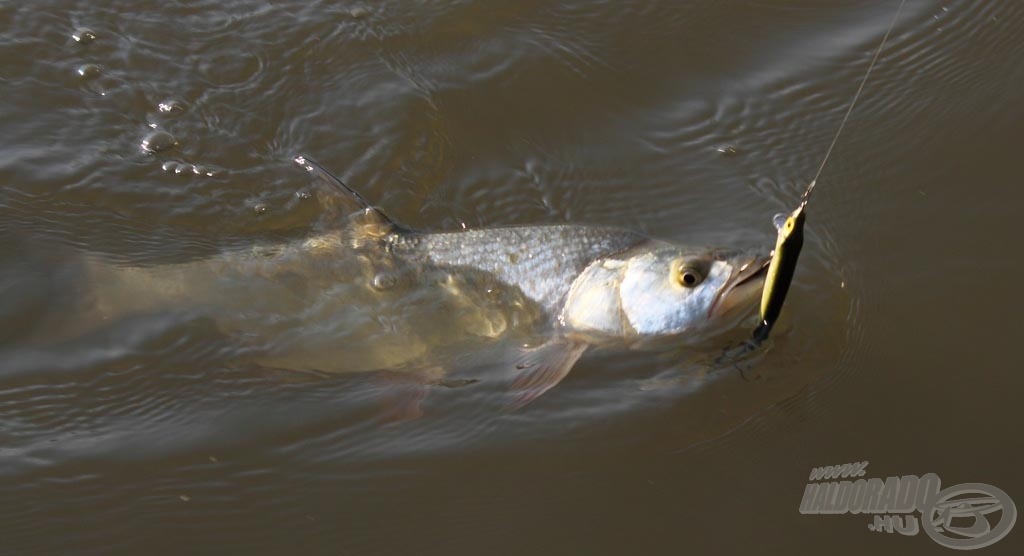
(542,261)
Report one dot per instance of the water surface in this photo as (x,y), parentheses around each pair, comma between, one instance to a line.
(691,121)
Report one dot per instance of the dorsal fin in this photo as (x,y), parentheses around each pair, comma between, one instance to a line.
(337,198)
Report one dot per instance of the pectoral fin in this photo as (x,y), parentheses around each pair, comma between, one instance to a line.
(543,367)
(403,393)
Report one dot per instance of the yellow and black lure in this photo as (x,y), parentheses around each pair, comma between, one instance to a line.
(781,269)
(791,229)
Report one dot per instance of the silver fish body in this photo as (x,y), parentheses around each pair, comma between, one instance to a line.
(600,284)
(542,261)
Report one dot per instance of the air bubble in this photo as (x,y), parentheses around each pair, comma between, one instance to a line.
(159,140)
(383,281)
(89,71)
(83,35)
(171,106)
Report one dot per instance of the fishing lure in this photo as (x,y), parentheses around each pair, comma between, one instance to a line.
(781,269)
(790,238)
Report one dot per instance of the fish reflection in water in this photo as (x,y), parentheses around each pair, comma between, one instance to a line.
(367,294)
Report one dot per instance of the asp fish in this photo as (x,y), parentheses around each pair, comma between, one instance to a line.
(574,286)
(593,285)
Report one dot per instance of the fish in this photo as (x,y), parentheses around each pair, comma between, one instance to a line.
(594,286)
(390,294)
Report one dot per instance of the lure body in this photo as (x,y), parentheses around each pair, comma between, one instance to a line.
(781,270)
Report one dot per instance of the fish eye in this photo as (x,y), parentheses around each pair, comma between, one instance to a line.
(687,276)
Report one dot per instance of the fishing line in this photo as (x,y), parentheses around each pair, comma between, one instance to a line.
(807,194)
(782,265)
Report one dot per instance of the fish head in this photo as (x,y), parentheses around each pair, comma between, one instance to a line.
(659,290)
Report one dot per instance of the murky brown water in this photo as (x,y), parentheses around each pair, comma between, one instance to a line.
(691,121)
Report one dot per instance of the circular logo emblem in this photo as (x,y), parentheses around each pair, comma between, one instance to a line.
(960,517)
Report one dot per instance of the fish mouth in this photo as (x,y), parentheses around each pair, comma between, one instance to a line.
(745,283)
